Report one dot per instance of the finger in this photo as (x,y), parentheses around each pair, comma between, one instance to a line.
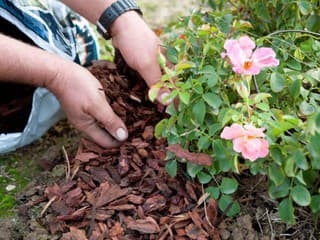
(164,96)
(110,121)
(100,136)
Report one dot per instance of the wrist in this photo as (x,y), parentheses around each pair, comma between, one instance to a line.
(118,9)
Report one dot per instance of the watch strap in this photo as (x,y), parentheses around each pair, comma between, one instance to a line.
(112,13)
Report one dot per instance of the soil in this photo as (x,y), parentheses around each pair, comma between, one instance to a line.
(125,193)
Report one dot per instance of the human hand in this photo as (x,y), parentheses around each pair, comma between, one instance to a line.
(139,46)
(84,102)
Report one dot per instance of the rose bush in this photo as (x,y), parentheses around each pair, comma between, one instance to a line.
(247,76)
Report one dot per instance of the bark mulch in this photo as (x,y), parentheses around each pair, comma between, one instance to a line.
(125,192)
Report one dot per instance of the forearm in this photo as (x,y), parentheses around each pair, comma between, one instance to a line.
(20,62)
(91,11)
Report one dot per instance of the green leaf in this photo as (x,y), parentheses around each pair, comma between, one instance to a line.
(263,106)
(184,65)
(293,64)
(261,96)
(199,111)
(227,202)
(279,191)
(229,185)
(193,169)
(307,108)
(276,154)
(213,100)
(210,72)
(305,7)
(315,204)
(214,192)
(160,128)
(222,162)
(290,168)
(314,150)
(300,160)
(203,177)
(153,92)
(203,143)
(301,195)
(313,23)
(286,211)
(276,174)
(214,128)
(184,97)
(171,167)
(172,55)
(294,88)
(277,82)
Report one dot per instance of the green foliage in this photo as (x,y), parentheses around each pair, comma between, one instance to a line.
(284,100)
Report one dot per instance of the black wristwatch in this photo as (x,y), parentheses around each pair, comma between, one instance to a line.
(112,12)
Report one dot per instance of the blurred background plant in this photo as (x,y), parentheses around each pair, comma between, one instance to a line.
(284,99)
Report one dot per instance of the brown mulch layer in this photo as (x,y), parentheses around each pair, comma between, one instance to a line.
(125,192)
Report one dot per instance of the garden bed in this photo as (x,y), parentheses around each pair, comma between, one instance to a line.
(126,193)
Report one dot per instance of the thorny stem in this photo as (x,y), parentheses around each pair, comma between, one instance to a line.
(294,31)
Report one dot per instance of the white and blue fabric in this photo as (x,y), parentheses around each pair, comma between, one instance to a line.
(55,28)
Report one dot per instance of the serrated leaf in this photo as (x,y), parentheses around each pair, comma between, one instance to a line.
(301,195)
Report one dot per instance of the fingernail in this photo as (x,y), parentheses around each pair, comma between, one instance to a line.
(164,97)
(121,134)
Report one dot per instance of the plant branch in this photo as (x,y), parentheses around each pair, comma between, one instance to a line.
(293,31)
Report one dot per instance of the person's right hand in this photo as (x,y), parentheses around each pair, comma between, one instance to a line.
(139,46)
(84,102)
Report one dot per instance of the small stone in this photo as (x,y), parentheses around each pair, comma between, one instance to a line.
(10,187)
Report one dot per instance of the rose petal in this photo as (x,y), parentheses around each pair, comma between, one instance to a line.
(232,132)
(247,45)
(265,57)
(252,131)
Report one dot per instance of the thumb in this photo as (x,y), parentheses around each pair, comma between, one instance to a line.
(110,122)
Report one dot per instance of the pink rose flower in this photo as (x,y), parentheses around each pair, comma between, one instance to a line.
(246,61)
(248,140)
